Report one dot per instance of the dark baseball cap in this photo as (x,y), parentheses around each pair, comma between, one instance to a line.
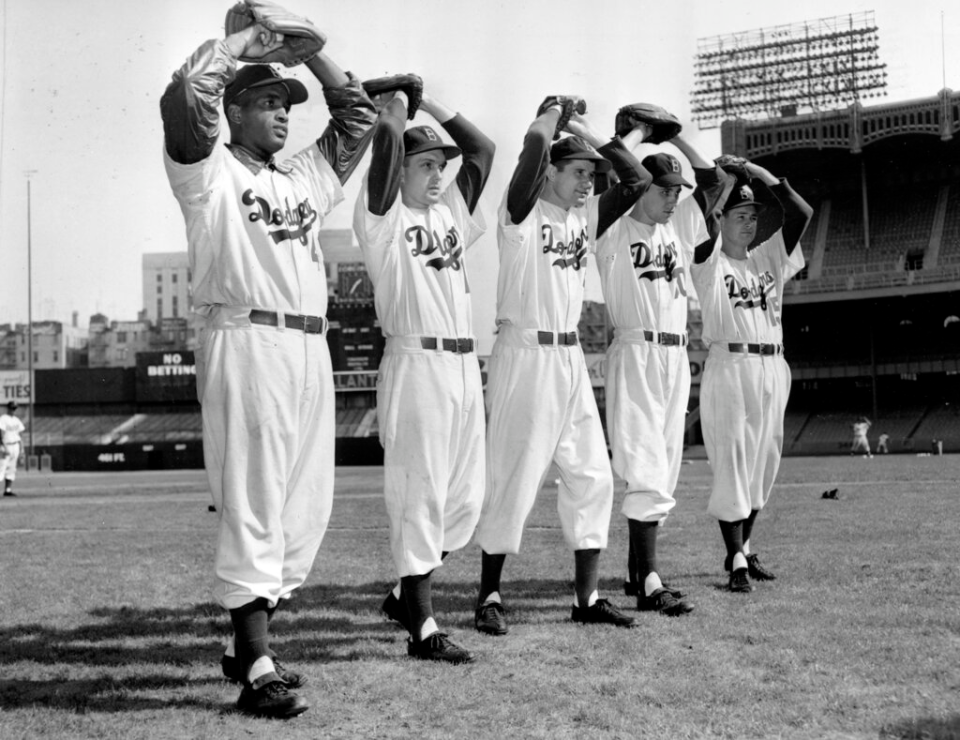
(262,75)
(424,139)
(574,147)
(13,405)
(666,170)
(742,195)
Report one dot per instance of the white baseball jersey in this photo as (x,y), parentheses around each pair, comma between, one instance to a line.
(743,396)
(541,400)
(644,276)
(429,401)
(10,429)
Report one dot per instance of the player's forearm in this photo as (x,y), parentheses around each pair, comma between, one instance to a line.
(633,179)
(696,160)
(796,214)
(478,151)
(712,189)
(386,161)
(352,119)
(531,171)
(190,104)
(327,71)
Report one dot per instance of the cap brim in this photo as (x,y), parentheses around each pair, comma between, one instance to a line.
(296,91)
(602,165)
(449,151)
(671,180)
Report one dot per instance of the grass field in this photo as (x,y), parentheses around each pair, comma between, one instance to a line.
(108,631)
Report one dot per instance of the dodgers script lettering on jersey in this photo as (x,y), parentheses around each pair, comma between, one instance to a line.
(663,266)
(572,253)
(758,292)
(426,242)
(297,221)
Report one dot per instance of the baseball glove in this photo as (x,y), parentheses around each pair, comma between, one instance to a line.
(569,103)
(665,125)
(302,40)
(733,165)
(410,84)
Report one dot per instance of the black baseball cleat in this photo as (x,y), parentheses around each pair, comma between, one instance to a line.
(438,647)
(602,612)
(394,609)
(268,696)
(234,671)
(632,588)
(739,583)
(9,493)
(490,618)
(757,571)
(664,602)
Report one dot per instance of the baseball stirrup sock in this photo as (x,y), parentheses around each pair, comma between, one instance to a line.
(748,529)
(491,568)
(417,596)
(732,536)
(250,632)
(643,543)
(587,574)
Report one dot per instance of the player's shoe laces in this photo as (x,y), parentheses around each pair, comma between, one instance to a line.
(757,571)
(438,647)
(396,610)
(602,612)
(664,602)
(234,671)
(739,583)
(632,588)
(490,618)
(268,696)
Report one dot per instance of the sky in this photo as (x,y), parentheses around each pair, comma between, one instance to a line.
(79,110)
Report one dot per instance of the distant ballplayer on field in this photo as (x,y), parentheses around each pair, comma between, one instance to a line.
(264,375)
(739,274)
(860,442)
(644,260)
(542,407)
(10,430)
(414,233)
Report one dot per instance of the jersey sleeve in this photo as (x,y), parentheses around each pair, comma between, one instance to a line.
(633,178)
(530,173)
(377,234)
(352,120)
(478,151)
(189,105)
(318,175)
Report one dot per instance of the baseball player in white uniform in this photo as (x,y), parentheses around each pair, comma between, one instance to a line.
(739,276)
(10,430)
(860,442)
(542,407)
(264,375)
(414,234)
(644,260)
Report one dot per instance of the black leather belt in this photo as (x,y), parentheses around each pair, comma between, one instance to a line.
(306,324)
(756,349)
(460,345)
(564,339)
(666,338)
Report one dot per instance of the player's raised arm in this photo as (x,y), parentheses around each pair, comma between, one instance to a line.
(386,161)
(352,116)
(632,177)
(531,170)
(712,183)
(796,211)
(478,149)
(189,106)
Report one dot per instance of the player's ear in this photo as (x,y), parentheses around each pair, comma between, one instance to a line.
(233,113)
(552,172)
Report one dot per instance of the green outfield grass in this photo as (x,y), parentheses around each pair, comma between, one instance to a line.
(108,630)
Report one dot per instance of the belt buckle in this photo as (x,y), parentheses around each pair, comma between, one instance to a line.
(464,345)
(570,338)
(313,324)
(669,339)
(767,349)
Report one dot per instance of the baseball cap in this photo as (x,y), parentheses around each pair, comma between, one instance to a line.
(574,147)
(742,195)
(424,139)
(13,405)
(666,170)
(262,75)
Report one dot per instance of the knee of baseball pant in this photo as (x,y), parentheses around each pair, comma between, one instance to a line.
(647,506)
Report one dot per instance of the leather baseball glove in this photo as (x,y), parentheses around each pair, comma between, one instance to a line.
(410,84)
(733,165)
(569,103)
(301,39)
(665,125)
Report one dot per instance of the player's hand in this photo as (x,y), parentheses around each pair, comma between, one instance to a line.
(644,130)
(258,41)
(578,126)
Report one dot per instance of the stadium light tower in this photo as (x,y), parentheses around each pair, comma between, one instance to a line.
(783,70)
(29,174)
